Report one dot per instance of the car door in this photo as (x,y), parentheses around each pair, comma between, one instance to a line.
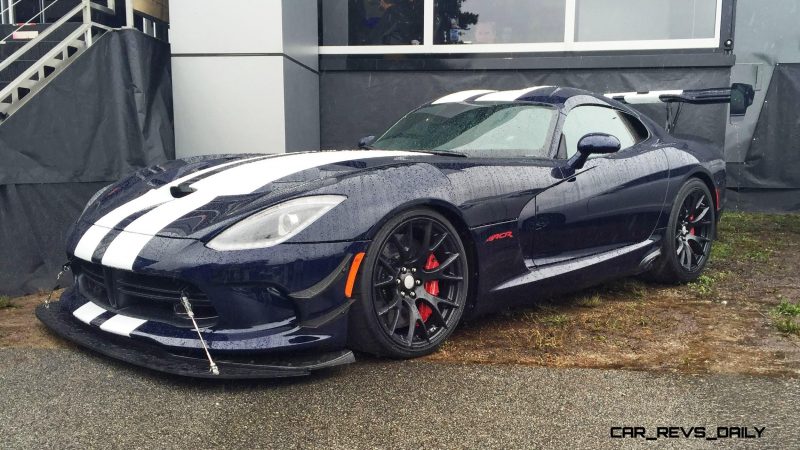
(613,201)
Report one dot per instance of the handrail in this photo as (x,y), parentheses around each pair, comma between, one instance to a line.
(14,56)
(10,6)
(49,55)
(3,41)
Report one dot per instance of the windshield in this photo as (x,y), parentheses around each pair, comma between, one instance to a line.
(491,130)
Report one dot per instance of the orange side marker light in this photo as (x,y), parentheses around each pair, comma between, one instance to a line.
(351,277)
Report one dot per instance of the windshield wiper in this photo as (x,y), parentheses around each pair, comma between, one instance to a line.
(439,152)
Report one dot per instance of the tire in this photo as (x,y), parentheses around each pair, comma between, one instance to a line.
(412,287)
(687,241)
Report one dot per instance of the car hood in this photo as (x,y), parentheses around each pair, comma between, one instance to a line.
(196,197)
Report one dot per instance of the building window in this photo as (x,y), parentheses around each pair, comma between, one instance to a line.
(631,20)
(498,22)
(505,26)
(372,22)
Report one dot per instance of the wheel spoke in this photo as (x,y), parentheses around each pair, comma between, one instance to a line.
(451,277)
(687,254)
(395,321)
(387,282)
(423,251)
(700,247)
(700,216)
(699,202)
(387,265)
(400,247)
(443,265)
(439,242)
(413,318)
(391,306)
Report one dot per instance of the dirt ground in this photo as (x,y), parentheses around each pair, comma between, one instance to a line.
(726,322)
(729,321)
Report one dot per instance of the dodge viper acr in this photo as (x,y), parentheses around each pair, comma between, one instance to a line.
(276,265)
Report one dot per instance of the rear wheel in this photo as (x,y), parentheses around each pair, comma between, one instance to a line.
(687,241)
(412,287)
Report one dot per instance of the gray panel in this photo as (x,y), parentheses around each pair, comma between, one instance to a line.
(301,106)
(300,36)
(229,26)
(228,104)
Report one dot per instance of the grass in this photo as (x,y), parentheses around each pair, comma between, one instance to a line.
(748,238)
(703,286)
(590,301)
(785,317)
(6,302)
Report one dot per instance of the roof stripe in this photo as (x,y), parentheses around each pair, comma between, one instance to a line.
(507,96)
(458,97)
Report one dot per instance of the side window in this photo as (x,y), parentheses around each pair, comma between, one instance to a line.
(597,119)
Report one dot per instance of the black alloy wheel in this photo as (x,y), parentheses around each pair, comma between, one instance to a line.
(686,246)
(693,230)
(413,287)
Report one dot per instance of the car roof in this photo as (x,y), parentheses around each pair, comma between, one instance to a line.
(554,95)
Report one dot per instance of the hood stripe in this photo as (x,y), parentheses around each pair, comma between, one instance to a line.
(95,234)
(239,180)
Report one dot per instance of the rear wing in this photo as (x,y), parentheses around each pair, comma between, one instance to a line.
(739,96)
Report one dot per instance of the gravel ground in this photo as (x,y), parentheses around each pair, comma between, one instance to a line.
(70,398)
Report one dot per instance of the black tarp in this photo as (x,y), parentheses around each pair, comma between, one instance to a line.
(355,104)
(107,115)
(769,177)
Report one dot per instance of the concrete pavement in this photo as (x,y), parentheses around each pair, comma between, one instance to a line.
(71,398)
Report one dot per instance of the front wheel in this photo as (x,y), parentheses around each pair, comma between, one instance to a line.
(687,241)
(412,287)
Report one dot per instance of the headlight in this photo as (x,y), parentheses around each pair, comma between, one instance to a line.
(95,197)
(276,224)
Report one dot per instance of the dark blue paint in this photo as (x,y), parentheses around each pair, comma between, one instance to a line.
(569,229)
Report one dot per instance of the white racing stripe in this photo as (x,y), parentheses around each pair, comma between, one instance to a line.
(507,96)
(239,180)
(88,312)
(122,325)
(457,97)
(92,238)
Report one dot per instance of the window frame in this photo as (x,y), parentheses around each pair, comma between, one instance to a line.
(558,136)
(567,45)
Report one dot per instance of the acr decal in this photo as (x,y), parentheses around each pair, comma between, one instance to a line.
(498,236)
(239,180)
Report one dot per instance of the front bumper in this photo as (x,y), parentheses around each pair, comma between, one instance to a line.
(278,304)
(155,357)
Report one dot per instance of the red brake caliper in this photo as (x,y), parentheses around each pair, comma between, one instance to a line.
(432,287)
(691,231)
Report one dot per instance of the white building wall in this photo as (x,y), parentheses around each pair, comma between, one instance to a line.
(244,76)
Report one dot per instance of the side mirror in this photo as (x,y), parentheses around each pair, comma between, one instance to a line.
(365,143)
(742,96)
(593,144)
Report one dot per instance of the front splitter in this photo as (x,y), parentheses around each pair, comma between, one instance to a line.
(155,358)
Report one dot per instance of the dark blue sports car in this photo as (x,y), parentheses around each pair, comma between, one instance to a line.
(276,265)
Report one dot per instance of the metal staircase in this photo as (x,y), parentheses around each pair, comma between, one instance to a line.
(47,67)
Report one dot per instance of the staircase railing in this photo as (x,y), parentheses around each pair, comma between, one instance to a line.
(23,87)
